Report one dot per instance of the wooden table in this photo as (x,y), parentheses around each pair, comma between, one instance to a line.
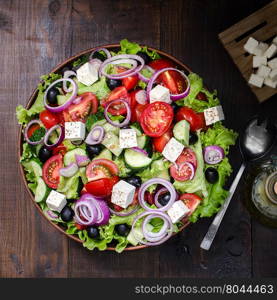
(37,35)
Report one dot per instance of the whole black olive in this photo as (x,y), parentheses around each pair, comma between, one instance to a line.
(193,138)
(93,150)
(164,198)
(122,229)
(67,214)
(44,154)
(113,83)
(52,95)
(145,57)
(134,180)
(93,232)
(211,175)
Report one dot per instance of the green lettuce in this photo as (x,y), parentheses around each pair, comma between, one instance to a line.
(123,170)
(28,152)
(99,88)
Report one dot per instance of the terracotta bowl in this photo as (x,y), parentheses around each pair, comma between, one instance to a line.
(30,103)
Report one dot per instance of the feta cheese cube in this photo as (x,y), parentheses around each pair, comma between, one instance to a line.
(273,75)
(271,51)
(127,138)
(56,201)
(74,131)
(172,150)
(250,45)
(213,114)
(272,63)
(274,41)
(160,93)
(271,83)
(123,194)
(258,61)
(88,73)
(178,211)
(263,71)
(256,80)
(260,49)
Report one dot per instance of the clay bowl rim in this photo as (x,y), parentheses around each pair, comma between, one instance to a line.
(31,101)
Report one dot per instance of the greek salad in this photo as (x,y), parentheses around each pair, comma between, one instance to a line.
(122,148)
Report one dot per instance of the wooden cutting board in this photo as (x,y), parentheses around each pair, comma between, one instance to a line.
(261,25)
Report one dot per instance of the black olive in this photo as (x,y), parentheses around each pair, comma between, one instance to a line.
(113,83)
(93,232)
(99,55)
(145,57)
(122,229)
(67,214)
(164,198)
(193,138)
(52,95)
(93,150)
(134,180)
(211,175)
(174,106)
(44,154)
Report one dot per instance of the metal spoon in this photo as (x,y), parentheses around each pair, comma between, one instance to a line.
(255,142)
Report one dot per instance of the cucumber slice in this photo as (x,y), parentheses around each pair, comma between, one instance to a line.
(110,128)
(42,191)
(111,141)
(83,175)
(181,132)
(74,186)
(159,164)
(106,153)
(100,123)
(33,166)
(142,140)
(61,99)
(138,132)
(136,160)
(137,233)
(70,155)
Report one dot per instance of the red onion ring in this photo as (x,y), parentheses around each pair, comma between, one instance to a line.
(48,133)
(106,51)
(153,236)
(143,78)
(139,150)
(213,154)
(172,97)
(70,170)
(126,213)
(91,139)
(56,109)
(49,213)
(141,97)
(128,116)
(31,123)
(156,197)
(66,75)
(82,160)
(85,211)
(164,183)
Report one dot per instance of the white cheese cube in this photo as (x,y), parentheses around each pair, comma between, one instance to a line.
(250,45)
(172,150)
(74,131)
(88,73)
(160,93)
(272,63)
(213,114)
(56,201)
(260,49)
(274,41)
(271,83)
(258,61)
(263,71)
(178,211)
(123,194)
(127,138)
(271,51)
(273,75)
(256,80)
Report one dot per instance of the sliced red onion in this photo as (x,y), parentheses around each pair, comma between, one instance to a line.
(82,160)
(103,212)
(95,136)
(107,52)
(67,74)
(154,236)
(49,213)
(139,150)
(156,240)
(56,109)
(141,97)
(172,96)
(157,195)
(125,213)
(128,116)
(130,72)
(70,170)
(30,124)
(189,165)
(164,183)
(143,78)
(49,132)
(213,154)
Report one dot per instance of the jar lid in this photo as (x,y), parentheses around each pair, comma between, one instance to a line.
(271,187)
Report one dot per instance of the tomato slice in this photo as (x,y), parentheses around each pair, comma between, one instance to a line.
(191,201)
(118,108)
(32,129)
(156,118)
(101,187)
(130,82)
(181,172)
(50,171)
(187,155)
(196,120)
(48,118)
(101,168)
(160,142)
(80,227)
(139,108)
(201,96)
(80,111)
(62,149)
(161,63)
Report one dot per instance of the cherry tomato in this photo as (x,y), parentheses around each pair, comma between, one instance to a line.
(156,118)
(60,149)
(139,108)
(80,227)
(48,118)
(161,63)
(196,120)
(191,201)
(160,142)
(101,187)
(50,171)
(201,96)
(130,82)
(101,168)
(32,129)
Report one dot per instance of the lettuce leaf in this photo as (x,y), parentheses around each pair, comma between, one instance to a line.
(123,170)
(99,88)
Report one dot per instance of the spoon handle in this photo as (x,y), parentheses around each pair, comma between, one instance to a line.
(210,235)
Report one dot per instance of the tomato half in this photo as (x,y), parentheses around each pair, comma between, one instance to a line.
(101,187)
(191,201)
(156,118)
(160,142)
(48,119)
(50,171)
(161,63)
(139,108)
(130,82)
(196,120)
(101,168)
(187,155)
(181,172)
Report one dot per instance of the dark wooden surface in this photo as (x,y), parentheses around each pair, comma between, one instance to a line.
(37,35)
